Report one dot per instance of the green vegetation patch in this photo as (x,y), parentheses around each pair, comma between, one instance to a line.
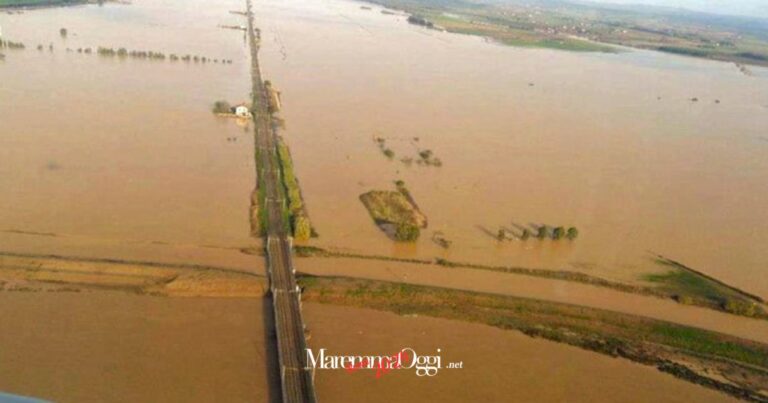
(738,301)
(261,200)
(395,212)
(690,287)
(221,107)
(508,34)
(301,227)
(391,207)
(520,313)
(405,232)
(707,343)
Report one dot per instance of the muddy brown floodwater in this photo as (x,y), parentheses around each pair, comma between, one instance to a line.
(611,144)
(497,365)
(122,158)
(114,347)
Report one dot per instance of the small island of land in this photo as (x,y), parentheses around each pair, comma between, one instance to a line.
(395,212)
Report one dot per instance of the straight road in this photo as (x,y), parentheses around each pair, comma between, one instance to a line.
(297,380)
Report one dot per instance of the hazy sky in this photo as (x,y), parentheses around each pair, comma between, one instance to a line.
(755,8)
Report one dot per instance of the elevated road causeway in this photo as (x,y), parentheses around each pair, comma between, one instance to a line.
(296,378)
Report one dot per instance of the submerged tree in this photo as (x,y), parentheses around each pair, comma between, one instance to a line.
(572,233)
(222,107)
(558,233)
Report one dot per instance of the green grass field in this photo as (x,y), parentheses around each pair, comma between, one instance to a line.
(690,287)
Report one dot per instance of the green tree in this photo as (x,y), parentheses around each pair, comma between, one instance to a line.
(222,107)
(302,229)
(501,235)
(407,232)
(63,32)
(572,233)
(542,232)
(525,235)
(558,233)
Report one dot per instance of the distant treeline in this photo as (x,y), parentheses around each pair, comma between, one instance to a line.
(148,54)
(713,54)
(123,52)
(5,44)
(39,3)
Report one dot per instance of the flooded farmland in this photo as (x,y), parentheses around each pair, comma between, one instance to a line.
(125,203)
(613,144)
(122,157)
(124,152)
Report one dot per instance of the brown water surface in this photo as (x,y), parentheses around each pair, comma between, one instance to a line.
(124,151)
(127,151)
(123,159)
(611,144)
(114,347)
(497,365)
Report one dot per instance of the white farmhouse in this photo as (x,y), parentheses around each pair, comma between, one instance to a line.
(242,111)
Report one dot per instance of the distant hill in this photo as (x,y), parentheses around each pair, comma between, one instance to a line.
(38,3)
(578,25)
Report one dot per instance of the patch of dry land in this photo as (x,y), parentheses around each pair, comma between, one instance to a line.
(391,207)
(395,212)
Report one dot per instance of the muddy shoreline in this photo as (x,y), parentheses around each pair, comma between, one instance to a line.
(564,275)
(742,376)
(21,273)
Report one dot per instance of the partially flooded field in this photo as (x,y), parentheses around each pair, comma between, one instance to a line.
(642,152)
(629,177)
(497,365)
(121,157)
(125,151)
